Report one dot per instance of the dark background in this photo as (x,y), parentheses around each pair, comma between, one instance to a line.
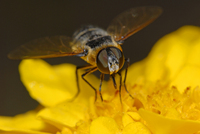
(25,20)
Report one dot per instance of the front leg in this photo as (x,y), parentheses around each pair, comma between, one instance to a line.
(88,72)
(124,82)
(101,80)
(77,78)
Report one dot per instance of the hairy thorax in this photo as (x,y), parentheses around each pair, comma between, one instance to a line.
(92,39)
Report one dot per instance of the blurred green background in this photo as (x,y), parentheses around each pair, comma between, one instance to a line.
(25,20)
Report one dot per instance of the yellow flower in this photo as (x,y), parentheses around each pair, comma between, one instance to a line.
(165,87)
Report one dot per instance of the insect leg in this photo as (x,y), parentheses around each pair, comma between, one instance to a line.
(124,82)
(120,85)
(114,82)
(88,72)
(77,79)
(101,80)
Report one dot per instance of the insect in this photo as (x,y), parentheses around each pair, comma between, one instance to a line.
(100,48)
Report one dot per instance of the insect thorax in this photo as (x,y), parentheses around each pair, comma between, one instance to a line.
(93,39)
(88,33)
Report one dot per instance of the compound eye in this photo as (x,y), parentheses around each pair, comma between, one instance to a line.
(102,61)
(119,56)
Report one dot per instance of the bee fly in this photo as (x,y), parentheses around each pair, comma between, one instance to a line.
(100,48)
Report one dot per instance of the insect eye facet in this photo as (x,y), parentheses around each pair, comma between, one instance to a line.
(102,61)
(119,56)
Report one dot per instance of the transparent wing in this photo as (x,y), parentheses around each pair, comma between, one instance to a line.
(48,47)
(131,21)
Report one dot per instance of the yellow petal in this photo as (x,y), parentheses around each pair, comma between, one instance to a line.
(135,73)
(187,77)
(172,53)
(161,125)
(166,57)
(104,125)
(130,117)
(194,53)
(67,75)
(136,128)
(19,131)
(66,114)
(188,33)
(51,85)
(134,115)
(66,131)
(44,84)
(25,123)
(126,119)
